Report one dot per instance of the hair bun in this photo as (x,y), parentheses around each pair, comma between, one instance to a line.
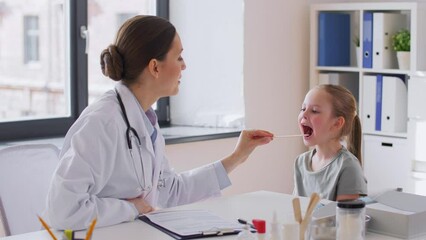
(112,63)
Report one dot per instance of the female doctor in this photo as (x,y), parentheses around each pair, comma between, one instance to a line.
(113,166)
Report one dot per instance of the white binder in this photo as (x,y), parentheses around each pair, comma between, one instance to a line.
(385,25)
(369,103)
(394,105)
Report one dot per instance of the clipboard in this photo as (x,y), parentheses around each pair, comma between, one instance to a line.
(192,236)
(211,231)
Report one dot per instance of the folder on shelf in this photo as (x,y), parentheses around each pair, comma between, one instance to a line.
(378,102)
(333,39)
(367,40)
(190,224)
(368,103)
(394,104)
(347,80)
(385,25)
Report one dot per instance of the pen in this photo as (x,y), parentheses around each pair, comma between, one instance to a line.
(47,227)
(90,231)
(242,221)
(218,232)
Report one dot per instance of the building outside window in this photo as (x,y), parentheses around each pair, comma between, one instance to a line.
(31,39)
(34,82)
(104,19)
(50,68)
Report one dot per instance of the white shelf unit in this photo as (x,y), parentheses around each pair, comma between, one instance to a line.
(415,13)
(380,149)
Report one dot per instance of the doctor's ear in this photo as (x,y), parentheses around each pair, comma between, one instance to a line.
(153,67)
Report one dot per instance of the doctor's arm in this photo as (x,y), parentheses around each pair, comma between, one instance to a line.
(86,165)
(141,205)
(208,180)
(247,142)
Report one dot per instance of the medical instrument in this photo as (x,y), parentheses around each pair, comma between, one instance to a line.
(296,210)
(289,136)
(129,132)
(313,201)
(130,129)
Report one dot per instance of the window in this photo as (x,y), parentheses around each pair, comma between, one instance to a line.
(104,20)
(122,17)
(211,90)
(36,68)
(31,39)
(50,71)
(46,77)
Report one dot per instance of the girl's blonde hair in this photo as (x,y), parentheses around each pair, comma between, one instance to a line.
(344,105)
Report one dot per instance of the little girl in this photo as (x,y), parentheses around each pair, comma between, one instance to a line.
(327,117)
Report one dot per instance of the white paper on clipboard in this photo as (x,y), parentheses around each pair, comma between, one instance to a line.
(190,222)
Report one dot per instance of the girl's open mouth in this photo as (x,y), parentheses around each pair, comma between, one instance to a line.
(307,131)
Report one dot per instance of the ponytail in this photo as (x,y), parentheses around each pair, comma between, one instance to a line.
(354,139)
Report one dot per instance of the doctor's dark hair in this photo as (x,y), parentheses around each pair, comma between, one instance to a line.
(138,40)
(344,105)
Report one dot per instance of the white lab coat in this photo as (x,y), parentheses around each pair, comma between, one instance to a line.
(96,170)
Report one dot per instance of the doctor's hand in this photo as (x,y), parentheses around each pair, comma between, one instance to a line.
(247,142)
(141,205)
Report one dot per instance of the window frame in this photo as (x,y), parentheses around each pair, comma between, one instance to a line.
(51,127)
(79,93)
(57,127)
(163,104)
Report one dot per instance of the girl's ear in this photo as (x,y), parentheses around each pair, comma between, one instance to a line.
(153,67)
(338,124)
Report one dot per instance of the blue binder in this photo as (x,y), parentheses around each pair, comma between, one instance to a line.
(379,99)
(334,39)
(367,40)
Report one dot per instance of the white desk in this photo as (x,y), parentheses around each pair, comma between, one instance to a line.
(247,206)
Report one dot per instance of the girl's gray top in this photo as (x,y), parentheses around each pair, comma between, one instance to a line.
(343,175)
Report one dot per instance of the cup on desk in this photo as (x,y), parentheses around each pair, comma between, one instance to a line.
(323,228)
(290,228)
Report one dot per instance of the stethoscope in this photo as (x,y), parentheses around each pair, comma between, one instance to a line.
(131,133)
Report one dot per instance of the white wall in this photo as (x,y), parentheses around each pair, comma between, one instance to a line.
(214,66)
(276,67)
